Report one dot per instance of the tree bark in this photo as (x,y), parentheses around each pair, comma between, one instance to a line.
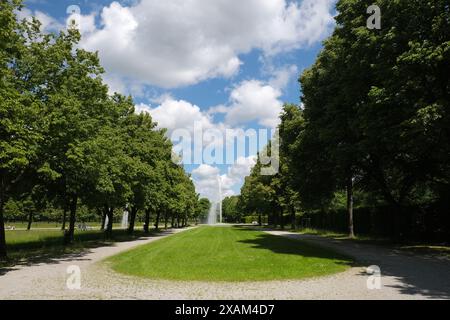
(134,211)
(166,220)
(104,213)
(147,221)
(158,217)
(69,234)
(109,227)
(293,219)
(173,221)
(350,207)
(64,218)
(30,220)
(3,254)
(274,221)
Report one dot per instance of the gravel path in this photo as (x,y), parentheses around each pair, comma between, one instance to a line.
(404,276)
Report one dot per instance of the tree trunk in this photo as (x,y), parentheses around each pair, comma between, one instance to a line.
(134,211)
(173,221)
(282,219)
(104,213)
(3,254)
(30,220)
(260,220)
(109,227)
(69,234)
(147,221)
(274,221)
(158,216)
(350,207)
(64,218)
(166,220)
(293,220)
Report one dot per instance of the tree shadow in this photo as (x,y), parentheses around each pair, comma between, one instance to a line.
(288,246)
(418,276)
(51,250)
(424,276)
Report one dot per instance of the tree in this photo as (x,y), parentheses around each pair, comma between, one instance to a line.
(291,129)
(75,112)
(19,111)
(202,211)
(66,141)
(256,193)
(230,210)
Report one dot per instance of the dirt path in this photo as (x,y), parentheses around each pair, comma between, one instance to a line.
(403,277)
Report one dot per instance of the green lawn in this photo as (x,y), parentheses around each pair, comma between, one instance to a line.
(228,254)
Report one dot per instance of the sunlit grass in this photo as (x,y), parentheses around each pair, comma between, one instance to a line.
(228,254)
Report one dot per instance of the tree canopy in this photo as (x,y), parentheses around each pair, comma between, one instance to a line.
(374,121)
(68,142)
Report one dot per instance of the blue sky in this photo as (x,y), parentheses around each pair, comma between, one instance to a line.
(225,64)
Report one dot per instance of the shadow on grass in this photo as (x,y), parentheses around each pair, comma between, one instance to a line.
(51,249)
(417,275)
(283,245)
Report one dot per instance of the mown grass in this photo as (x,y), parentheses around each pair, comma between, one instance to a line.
(228,254)
(42,245)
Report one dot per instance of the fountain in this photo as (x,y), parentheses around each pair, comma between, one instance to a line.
(220,198)
(216,208)
(212,216)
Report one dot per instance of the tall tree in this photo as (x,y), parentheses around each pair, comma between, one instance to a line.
(19,135)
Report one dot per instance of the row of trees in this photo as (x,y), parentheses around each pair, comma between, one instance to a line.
(375,119)
(64,140)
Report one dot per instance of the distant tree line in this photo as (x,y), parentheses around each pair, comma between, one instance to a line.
(369,149)
(66,143)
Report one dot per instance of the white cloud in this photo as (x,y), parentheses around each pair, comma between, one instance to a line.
(48,24)
(206,178)
(237,173)
(282,76)
(85,23)
(254,100)
(177,43)
(177,114)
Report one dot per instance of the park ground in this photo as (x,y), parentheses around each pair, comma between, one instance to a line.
(106,273)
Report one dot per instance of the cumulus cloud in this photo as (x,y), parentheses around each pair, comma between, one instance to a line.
(48,23)
(254,100)
(250,101)
(236,174)
(177,43)
(206,178)
(282,76)
(177,114)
